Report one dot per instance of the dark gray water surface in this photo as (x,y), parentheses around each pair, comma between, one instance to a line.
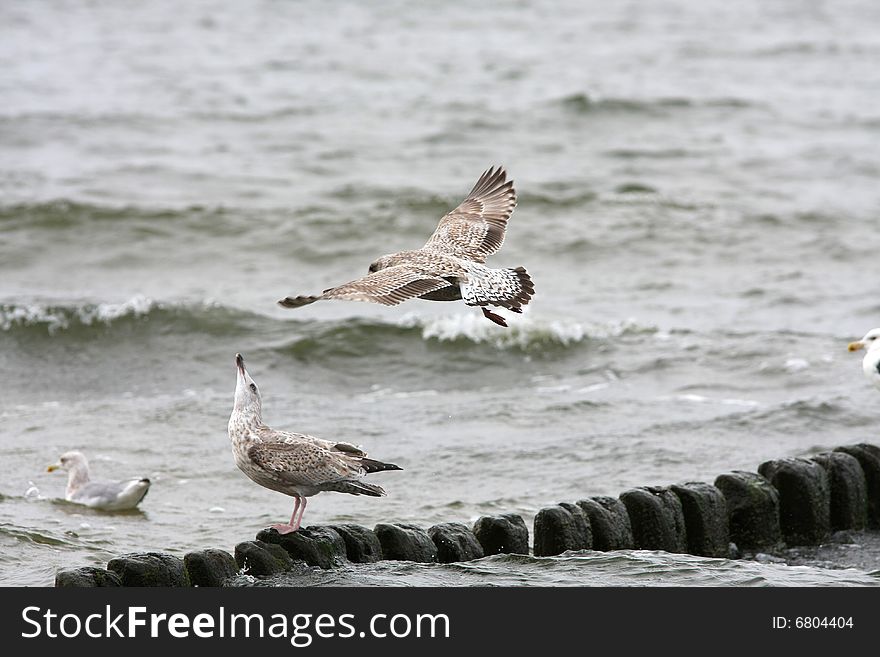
(698,201)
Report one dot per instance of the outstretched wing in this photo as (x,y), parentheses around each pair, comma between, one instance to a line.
(475,229)
(303,463)
(389,286)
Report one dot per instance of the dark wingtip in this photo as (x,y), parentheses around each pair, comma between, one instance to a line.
(372,465)
(296,302)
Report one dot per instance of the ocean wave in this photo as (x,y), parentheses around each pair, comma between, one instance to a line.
(65,214)
(815,410)
(806,416)
(652,153)
(586,103)
(526,332)
(59,318)
(40,537)
(308,339)
(575,568)
(325,229)
(54,319)
(562,196)
(799,415)
(411,335)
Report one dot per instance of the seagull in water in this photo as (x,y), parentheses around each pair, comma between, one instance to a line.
(293,463)
(451,265)
(871,361)
(104,495)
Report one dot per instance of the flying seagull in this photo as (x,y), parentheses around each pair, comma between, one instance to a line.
(451,265)
(104,495)
(293,463)
(871,361)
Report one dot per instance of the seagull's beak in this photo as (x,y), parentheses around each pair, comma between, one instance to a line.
(239,363)
(855,346)
(53,467)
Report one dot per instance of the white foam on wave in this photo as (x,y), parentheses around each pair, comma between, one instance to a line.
(58,318)
(378,392)
(524,331)
(748,403)
(702,399)
(699,399)
(796,364)
(32,492)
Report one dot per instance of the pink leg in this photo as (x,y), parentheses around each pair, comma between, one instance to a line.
(286,529)
(302,510)
(295,509)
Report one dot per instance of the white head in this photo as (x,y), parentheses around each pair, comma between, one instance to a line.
(77,466)
(247,394)
(69,462)
(870,342)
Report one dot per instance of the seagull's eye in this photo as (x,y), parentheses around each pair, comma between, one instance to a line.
(373,268)
(254,387)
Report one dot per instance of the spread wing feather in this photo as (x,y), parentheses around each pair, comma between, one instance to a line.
(389,286)
(476,228)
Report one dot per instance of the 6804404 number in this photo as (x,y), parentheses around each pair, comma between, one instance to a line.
(816,622)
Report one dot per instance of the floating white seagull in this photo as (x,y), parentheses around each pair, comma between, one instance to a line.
(293,463)
(104,495)
(450,266)
(871,361)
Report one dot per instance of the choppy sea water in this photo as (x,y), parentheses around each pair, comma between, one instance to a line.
(698,198)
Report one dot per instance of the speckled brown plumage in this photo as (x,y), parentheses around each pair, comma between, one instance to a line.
(295,464)
(450,266)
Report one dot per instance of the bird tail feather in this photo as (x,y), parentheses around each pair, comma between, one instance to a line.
(506,288)
(355,488)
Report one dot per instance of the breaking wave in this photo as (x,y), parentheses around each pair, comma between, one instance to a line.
(59,318)
(307,339)
(526,332)
(54,319)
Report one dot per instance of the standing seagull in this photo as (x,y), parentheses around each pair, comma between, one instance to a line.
(293,463)
(871,361)
(451,265)
(104,495)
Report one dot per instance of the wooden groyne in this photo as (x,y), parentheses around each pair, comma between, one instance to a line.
(787,502)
